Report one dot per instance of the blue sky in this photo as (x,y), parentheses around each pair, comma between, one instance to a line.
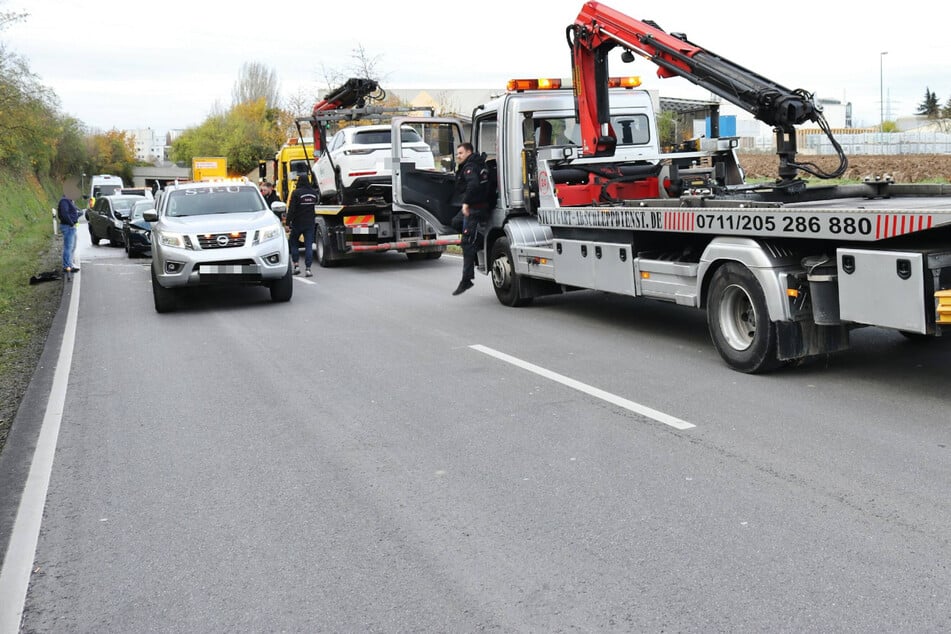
(129,64)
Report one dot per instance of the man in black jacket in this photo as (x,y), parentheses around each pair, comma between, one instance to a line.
(300,218)
(270,196)
(471,192)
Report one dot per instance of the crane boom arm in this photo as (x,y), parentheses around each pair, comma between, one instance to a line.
(598,29)
(352,94)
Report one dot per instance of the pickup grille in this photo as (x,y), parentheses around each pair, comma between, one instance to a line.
(222,240)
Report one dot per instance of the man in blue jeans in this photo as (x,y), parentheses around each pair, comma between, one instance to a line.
(68,215)
(300,218)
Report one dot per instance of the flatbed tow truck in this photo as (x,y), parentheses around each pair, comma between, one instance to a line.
(784,271)
(370,224)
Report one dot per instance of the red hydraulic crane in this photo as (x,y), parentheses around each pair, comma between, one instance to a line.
(598,29)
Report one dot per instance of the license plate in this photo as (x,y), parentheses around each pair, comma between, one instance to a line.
(228,269)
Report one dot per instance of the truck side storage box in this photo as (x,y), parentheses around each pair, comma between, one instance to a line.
(604,266)
(883,288)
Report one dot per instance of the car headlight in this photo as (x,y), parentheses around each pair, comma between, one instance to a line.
(174,240)
(271,233)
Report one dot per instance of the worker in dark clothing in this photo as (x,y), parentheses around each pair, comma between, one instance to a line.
(470,192)
(300,219)
(270,196)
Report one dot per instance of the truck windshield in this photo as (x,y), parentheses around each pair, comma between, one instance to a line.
(631,129)
(214,200)
(105,190)
(299,168)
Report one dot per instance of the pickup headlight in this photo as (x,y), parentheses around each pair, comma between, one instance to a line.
(174,240)
(271,233)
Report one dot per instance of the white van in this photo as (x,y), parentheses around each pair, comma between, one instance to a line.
(102,185)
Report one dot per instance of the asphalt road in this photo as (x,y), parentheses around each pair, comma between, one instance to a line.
(366,458)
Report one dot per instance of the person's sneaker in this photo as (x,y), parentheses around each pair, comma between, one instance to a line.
(307,273)
(296,270)
(464,285)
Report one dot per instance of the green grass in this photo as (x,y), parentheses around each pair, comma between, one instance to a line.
(27,247)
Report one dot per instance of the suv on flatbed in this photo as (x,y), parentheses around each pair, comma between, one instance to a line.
(214,233)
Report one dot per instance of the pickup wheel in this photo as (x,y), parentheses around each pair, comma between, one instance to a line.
(739,321)
(505,280)
(283,289)
(325,249)
(165,298)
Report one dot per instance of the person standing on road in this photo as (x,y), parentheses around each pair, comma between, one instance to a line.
(270,196)
(471,193)
(68,215)
(300,219)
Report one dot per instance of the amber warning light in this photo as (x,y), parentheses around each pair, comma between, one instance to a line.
(519,85)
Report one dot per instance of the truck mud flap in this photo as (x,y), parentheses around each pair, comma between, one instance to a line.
(800,339)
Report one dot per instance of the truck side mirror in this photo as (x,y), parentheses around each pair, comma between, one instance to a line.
(262,169)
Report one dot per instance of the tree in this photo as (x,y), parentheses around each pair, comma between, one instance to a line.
(256,81)
(929,107)
(362,65)
(247,133)
(10,17)
(71,157)
(946,110)
(27,114)
(111,152)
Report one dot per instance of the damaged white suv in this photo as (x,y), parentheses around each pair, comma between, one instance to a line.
(217,232)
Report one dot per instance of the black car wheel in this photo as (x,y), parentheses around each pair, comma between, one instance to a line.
(165,298)
(93,236)
(283,289)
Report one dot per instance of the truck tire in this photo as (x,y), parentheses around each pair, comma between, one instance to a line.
(325,248)
(505,281)
(739,321)
(164,298)
(283,289)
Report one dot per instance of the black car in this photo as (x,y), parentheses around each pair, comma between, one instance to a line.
(137,232)
(106,216)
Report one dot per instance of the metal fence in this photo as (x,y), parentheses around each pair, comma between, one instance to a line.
(890,143)
(857,144)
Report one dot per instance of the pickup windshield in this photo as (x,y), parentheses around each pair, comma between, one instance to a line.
(223,199)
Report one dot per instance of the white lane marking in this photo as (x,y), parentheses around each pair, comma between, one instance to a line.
(18,562)
(304,280)
(637,408)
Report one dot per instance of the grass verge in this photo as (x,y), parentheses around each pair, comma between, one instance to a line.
(27,247)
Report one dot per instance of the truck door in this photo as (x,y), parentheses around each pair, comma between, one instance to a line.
(424,180)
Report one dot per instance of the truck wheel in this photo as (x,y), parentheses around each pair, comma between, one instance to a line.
(325,249)
(283,289)
(434,255)
(93,236)
(739,321)
(416,256)
(164,298)
(505,280)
